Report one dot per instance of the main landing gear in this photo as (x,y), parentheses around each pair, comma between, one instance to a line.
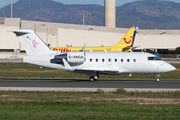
(94,78)
(158,77)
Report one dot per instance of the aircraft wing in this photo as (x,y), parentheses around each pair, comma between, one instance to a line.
(105,70)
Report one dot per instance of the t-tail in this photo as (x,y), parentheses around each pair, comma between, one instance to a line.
(32,43)
(128,40)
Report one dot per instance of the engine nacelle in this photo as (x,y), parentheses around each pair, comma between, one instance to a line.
(76,57)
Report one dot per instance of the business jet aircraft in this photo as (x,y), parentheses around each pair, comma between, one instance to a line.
(90,63)
(125,45)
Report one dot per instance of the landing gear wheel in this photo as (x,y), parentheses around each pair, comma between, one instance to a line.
(158,77)
(92,79)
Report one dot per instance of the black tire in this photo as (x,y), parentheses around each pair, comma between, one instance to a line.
(92,79)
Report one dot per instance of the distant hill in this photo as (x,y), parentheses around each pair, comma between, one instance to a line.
(47,10)
(150,14)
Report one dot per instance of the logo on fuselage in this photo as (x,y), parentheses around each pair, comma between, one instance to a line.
(127,42)
(76,57)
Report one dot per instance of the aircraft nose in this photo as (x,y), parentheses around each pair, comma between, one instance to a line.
(170,68)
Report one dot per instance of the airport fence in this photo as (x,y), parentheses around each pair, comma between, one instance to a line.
(169,55)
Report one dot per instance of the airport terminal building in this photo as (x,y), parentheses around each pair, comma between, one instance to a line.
(63,35)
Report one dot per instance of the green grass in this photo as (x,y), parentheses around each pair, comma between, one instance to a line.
(88,105)
(24,70)
(98,96)
(86,111)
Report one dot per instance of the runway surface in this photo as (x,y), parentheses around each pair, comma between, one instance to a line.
(85,84)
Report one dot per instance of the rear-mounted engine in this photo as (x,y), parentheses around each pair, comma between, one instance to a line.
(73,57)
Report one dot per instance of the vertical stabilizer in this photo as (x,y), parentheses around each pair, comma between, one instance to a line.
(32,43)
(127,40)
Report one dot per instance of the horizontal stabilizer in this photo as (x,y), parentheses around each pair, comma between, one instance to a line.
(126,49)
(135,47)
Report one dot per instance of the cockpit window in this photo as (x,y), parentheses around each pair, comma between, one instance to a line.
(154,58)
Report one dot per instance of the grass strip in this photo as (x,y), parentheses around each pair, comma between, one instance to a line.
(99,96)
(86,111)
(99,105)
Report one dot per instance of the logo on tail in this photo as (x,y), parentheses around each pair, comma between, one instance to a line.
(34,43)
(127,42)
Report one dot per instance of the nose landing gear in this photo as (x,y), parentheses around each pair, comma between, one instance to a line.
(158,77)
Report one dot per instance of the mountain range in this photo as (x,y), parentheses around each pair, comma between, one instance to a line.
(147,14)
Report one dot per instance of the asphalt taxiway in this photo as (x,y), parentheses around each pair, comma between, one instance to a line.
(86,85)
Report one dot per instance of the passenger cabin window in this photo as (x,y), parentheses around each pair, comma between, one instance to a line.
(128,60)
(134,60)
(96,60)
(90,60)
(154,58)
(115,60)
(102,60)
(121,60)
(109,60)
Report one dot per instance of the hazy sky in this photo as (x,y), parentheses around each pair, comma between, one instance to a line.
(100,2)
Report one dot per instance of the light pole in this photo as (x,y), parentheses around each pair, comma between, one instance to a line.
(11,8)
(91,15)
(84,18)
(3,9)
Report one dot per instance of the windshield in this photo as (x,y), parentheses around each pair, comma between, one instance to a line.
(154,58)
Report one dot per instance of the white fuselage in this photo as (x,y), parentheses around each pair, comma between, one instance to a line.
(103,62)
